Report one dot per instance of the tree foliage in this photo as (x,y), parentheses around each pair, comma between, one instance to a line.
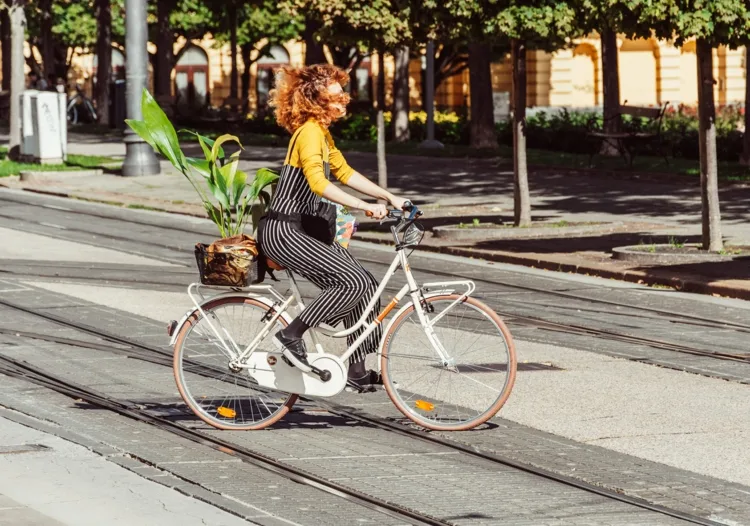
(261,21)
(73,28)
(357,22)
(718,22)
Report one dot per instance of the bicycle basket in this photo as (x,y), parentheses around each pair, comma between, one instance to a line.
(235,267)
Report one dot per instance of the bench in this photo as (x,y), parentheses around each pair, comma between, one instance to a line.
(622,140)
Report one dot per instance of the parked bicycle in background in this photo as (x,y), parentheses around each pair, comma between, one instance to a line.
(80,107)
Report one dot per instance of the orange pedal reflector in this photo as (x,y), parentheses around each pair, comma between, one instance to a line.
(226,412)
(424,405)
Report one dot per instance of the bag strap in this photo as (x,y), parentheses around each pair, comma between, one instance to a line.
(289,151)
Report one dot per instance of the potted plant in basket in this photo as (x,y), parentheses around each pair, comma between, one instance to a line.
(228,196)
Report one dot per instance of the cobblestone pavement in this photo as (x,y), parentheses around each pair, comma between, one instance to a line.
(127,278)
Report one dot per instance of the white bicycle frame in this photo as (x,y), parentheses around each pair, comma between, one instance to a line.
(239,357)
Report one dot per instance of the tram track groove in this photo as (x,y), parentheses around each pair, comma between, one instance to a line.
(563,294)
(39,377)
(409,431)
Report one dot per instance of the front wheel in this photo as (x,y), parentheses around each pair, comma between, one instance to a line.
(465,380)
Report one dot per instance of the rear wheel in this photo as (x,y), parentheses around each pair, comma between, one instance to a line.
(468,384)
(219,396)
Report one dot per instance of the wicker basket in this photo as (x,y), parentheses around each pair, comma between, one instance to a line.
(226,269)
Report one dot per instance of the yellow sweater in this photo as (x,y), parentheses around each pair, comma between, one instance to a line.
(310,153)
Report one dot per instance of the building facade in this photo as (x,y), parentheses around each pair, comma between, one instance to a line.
(652,72)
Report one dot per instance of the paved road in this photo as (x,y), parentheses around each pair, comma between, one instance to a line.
(584,405)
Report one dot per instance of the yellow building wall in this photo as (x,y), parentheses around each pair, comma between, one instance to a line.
(651,72)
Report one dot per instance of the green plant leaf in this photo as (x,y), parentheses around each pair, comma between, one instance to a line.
(214,214)
(206,149)
(141,128)
(216,146)
(238,184)
(199,165)
(217,189)
(228,172)
(162,132)
(263,177)
(206,141)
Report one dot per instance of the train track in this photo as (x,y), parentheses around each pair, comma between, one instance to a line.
(562,294)
(510,317)
(137,350)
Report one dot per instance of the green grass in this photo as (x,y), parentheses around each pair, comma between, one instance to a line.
(74,162)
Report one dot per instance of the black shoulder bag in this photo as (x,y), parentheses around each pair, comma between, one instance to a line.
(322,224)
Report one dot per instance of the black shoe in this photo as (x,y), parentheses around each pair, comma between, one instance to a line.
(295,351)
(364,384)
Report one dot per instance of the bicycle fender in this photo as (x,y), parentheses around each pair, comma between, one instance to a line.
(261,299)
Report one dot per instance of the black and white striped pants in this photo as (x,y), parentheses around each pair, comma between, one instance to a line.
(347,286)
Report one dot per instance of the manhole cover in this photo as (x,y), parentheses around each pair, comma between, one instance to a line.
(23,448)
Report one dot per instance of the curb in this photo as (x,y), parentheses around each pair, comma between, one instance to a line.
(683,284)
(41,176)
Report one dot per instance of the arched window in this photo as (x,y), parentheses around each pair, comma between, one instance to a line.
(191,77)
(274,57)
(585,74)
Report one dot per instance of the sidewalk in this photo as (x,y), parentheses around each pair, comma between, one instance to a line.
(633,211)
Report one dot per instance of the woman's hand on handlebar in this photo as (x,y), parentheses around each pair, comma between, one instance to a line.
(376,211)
(398,203)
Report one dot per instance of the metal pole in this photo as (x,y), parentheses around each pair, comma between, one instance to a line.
(140,158)
(17,85)
(430,142)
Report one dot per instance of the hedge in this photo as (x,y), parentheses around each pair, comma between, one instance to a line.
(561,131)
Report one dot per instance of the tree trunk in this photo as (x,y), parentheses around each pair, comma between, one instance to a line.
(521,201)
(401,95)
(47,38)
(482,124)
(313,49)
(5,44)
(234,74)
(711,214)
(382,168)
(745,158)
(17,82)
(104,59)
(245,51)
(610,87)
(164,51)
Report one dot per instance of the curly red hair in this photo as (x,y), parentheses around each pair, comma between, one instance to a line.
(302,94)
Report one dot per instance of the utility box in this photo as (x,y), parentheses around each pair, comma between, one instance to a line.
(44,127)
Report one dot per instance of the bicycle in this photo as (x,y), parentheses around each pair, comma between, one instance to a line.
(80,99)
(229,370)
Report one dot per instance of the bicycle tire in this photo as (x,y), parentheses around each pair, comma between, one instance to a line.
(398,383)
(225,423)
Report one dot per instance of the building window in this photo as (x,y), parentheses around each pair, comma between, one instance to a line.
(274,58)
(361,83)
(191,77)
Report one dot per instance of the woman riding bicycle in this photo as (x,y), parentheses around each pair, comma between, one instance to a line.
(306,101)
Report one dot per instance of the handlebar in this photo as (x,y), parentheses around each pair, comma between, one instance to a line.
(408,207)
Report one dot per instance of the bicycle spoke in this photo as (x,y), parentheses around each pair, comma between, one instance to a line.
(467,390)
(219,395)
